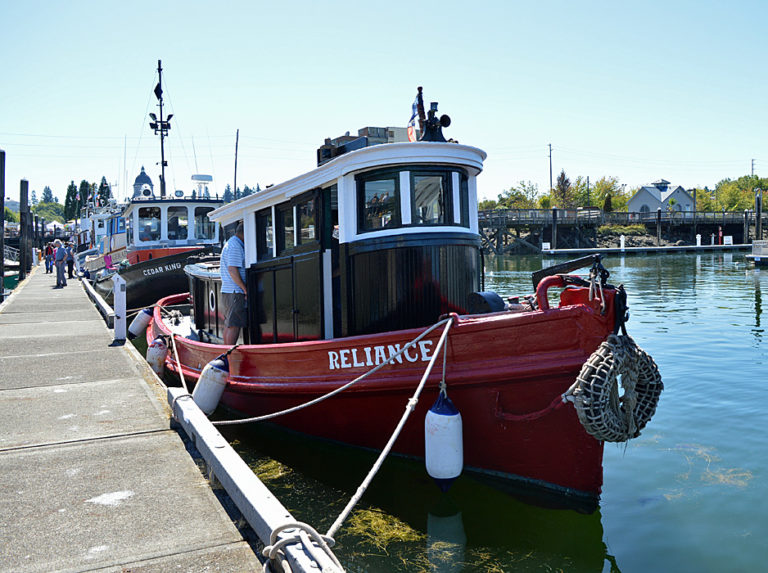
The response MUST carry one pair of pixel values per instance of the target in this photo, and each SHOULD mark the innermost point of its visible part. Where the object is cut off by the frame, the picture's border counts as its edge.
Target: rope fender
(604, 414)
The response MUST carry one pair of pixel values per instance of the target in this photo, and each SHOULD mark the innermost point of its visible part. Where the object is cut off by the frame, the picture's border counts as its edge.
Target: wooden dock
(618, 251)
(93, 478)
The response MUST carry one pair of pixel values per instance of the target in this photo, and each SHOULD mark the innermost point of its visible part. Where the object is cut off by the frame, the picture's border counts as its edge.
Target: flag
(412, 121)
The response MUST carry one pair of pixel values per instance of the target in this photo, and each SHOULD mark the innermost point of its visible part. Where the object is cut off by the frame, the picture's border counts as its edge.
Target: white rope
(305, 535)
(337, 390)
(408, 409)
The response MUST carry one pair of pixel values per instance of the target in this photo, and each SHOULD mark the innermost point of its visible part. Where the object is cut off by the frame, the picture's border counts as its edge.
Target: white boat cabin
(170, 222)
(381, 238)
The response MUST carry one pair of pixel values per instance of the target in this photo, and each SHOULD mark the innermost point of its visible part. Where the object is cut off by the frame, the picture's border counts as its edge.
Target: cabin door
(287, 306)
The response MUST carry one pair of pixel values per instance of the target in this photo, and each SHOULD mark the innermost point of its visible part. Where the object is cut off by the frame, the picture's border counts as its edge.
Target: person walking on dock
(70, 260)
(49, 258)
(60, 258)
(233, 289)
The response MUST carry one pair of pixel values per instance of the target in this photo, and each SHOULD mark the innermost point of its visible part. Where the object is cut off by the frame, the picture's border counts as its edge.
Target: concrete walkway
(91, 476)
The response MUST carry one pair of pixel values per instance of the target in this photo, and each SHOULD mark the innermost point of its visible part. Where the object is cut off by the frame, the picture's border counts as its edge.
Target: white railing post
(118, 302)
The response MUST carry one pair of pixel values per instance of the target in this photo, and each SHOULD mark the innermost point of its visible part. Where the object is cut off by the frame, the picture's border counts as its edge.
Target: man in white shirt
(233, 289)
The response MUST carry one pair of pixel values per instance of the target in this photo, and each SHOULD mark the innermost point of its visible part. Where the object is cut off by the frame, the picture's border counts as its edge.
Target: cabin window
(265, 235)
(464, 199)
(379, 202)
(129, 228)
(307, 225)
(177, 223)
(149, 223)
(428, 196)
(284, 228)
(204, 227)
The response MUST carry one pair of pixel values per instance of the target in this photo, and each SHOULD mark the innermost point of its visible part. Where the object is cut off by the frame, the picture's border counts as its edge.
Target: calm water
(687, 495)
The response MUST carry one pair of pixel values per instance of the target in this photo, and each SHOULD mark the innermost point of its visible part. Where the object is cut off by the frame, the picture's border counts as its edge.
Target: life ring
(604, 414)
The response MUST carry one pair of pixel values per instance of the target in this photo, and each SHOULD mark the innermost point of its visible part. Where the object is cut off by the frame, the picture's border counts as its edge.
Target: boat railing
(10, 253)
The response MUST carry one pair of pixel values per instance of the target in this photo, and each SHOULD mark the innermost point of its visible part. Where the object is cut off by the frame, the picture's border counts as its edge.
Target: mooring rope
(305, 535)
(410, 406)
(339, 389)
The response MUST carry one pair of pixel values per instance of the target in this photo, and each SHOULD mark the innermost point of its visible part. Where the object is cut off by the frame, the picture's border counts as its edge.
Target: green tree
(47, 195)
(523, 196)
(545, 202)
(739, 194)
(704, 199)
(50, 211)
(105, 192)
(562, 194)
(227, 194)
(85, 192)
(70, 202)
(487, 205)
(33, 198)
(10, 216)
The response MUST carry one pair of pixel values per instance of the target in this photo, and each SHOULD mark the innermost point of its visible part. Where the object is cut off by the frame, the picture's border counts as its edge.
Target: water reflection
(405, 523)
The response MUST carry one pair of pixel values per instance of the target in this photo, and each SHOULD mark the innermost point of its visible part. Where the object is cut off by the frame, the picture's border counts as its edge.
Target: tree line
(610, 195)
(49, 208)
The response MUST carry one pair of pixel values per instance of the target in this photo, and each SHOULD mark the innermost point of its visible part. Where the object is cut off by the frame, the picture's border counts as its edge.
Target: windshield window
(204, 227)
(177, 223)
(149, 223)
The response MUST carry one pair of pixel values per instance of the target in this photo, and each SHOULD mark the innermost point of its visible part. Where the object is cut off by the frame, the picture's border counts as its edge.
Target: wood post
(25, 264)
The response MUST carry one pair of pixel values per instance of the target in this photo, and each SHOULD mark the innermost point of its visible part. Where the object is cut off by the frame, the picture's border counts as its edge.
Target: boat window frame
(361, 179)
(264, 248)
(206, 224)
(464, 218)
(280, 228)
(155, 234)
(447, 195)
(306, 199)
(172, 212)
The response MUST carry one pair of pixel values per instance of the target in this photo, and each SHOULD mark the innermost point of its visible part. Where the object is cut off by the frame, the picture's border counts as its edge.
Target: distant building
(366, 137)
(143, 186)
(657, 195)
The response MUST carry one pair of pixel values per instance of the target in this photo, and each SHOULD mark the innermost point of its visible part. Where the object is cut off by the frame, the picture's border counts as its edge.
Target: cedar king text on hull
(161, 269)
(375, 355)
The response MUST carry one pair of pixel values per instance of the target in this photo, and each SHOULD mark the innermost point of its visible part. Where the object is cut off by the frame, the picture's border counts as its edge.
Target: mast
(162, 125)
(237, 140)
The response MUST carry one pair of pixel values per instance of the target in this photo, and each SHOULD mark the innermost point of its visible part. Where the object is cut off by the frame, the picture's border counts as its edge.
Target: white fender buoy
(156, 353)
(210, 386)
(139, 323)
(443, 442)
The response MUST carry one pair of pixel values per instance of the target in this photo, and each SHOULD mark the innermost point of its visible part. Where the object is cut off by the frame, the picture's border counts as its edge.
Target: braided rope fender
(604, 414)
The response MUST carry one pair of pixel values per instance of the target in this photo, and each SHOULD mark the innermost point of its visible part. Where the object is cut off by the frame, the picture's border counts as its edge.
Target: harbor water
(688, 495)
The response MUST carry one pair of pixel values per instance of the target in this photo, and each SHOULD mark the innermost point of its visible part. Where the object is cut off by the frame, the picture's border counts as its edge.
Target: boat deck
(93, 477)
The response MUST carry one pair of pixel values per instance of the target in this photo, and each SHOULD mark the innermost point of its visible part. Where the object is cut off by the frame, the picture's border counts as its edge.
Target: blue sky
(638, 91)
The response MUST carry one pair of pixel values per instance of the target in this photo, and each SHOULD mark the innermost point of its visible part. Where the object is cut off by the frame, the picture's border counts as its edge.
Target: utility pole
(237, 141)
(753, 168)
(550, 167)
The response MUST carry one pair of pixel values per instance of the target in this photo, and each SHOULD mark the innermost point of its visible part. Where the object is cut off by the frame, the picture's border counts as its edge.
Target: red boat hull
(504, 373)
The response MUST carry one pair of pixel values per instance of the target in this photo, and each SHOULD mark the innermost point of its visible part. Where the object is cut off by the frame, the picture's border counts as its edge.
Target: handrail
(498, 217)
(10, 253)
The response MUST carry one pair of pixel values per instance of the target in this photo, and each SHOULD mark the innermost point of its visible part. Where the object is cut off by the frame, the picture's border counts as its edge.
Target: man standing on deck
(233, 289)
(59, 259)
